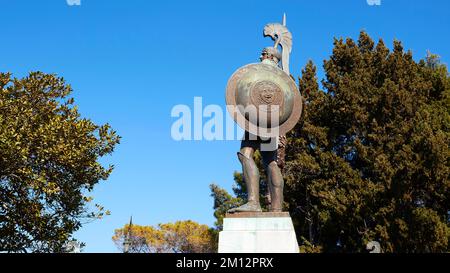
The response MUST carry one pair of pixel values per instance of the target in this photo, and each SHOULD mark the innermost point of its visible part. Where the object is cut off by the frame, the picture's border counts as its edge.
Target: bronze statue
(268, 90)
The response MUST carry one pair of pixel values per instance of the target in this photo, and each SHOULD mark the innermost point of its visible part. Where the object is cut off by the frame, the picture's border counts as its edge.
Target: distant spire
(130, 226)
(127, 239)
(284, 19)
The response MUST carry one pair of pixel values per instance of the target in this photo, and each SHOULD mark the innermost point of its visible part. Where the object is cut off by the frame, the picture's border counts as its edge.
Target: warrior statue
(265, 86)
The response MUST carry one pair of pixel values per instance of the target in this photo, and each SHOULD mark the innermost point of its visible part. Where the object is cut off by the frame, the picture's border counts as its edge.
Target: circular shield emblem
(263, 100)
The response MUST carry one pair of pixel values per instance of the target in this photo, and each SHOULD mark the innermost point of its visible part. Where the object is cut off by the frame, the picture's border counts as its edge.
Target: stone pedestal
(258, 232)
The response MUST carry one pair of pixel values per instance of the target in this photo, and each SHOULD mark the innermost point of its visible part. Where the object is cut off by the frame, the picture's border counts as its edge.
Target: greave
(251, 177)
(276, 185)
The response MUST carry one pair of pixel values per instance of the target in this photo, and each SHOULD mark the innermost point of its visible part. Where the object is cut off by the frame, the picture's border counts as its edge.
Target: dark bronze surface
(257, 214)
(262, 86)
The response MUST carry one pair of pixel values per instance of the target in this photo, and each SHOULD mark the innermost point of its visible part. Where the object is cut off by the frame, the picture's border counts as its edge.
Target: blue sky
(130, 62)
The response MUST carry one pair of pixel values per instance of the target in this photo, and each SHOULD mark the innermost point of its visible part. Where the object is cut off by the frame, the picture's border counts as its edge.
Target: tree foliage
(369, 159)
(178, 237)
(48, 163)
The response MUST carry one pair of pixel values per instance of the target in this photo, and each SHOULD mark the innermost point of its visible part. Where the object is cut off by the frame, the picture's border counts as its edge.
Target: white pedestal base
(258, 233)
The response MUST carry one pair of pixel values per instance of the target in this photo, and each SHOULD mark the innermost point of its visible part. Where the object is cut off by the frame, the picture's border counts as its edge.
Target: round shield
(263, 100)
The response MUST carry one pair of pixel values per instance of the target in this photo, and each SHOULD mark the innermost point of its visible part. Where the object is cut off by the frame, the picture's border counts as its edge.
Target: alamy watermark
(213, 123)
(374, 2)
(73, 2)
(78, 2)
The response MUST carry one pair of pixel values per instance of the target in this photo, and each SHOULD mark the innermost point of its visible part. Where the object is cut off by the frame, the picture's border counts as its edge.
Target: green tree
(223, 201)
(48, 163)
(178, 237)
(369, 159)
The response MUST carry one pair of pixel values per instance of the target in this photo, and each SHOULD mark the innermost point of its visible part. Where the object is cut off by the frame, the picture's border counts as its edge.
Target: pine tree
(369, 159)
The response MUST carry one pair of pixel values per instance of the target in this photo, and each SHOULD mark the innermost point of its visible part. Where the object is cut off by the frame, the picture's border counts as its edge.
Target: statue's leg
(251, 178)
(275, 180)
(276, 186)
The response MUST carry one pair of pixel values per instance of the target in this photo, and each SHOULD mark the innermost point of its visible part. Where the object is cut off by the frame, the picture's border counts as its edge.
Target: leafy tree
(178, 237)
(48, 163)
(369, 159)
